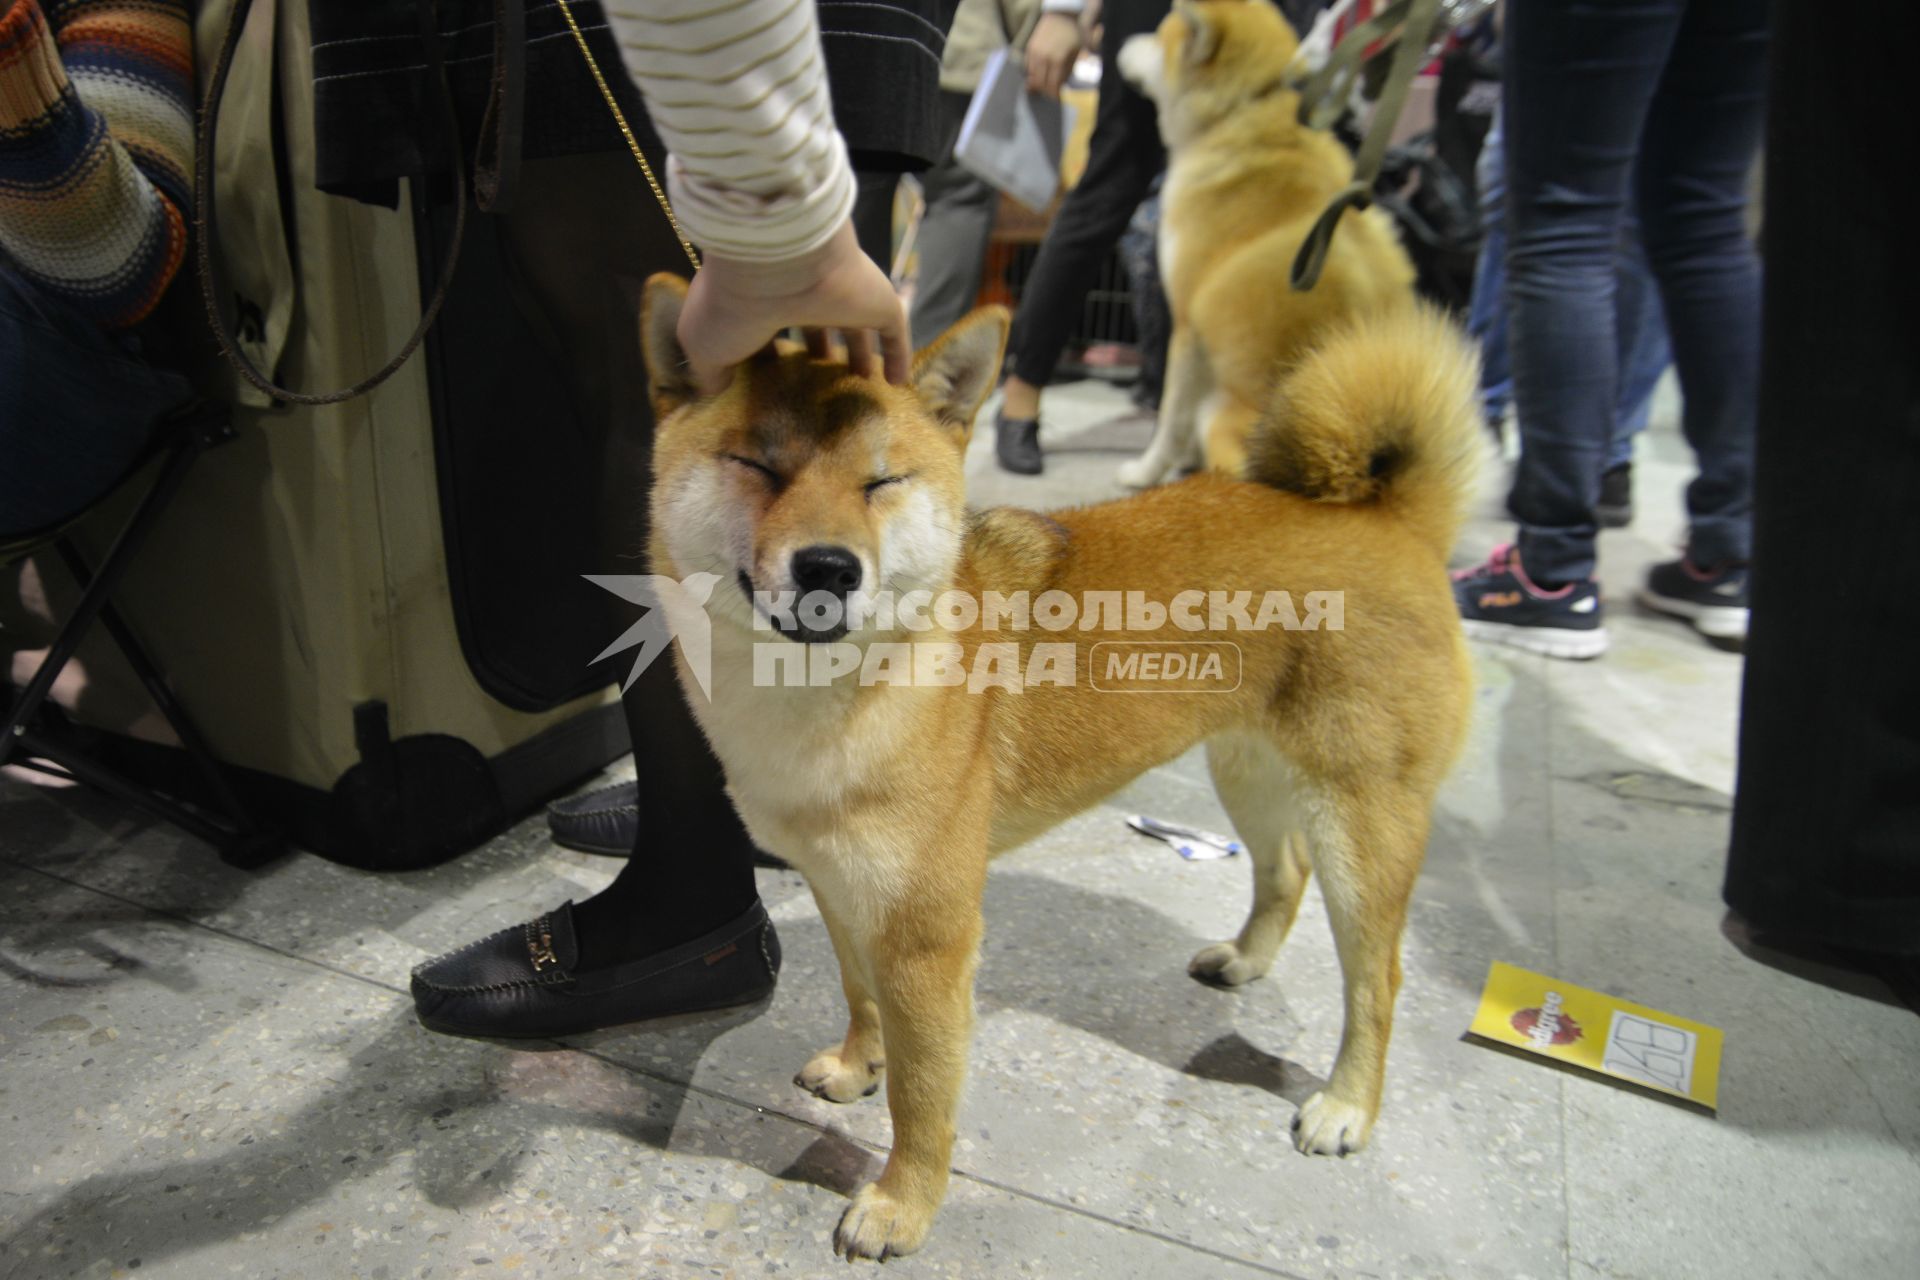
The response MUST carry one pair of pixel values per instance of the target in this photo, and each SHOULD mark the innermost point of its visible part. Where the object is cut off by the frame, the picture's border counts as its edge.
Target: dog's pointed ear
(955, 375)
(668, 376)
(1203, 37)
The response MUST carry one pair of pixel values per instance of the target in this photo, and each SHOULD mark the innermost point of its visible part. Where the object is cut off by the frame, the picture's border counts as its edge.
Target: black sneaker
(1714, 601)
(1498, 602)
(1615, 508)
(1016, 442)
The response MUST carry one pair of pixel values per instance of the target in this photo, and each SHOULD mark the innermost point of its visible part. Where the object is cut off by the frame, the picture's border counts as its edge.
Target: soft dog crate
(391, 679)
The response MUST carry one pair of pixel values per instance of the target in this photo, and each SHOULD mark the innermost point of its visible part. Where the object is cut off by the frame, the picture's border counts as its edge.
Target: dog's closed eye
(765, 472)
(875, 486)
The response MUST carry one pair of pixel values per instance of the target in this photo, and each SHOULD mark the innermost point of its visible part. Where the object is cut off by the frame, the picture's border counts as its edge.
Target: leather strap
(494, 179)
(1326, 92)
(207, 224)
(1312, 257)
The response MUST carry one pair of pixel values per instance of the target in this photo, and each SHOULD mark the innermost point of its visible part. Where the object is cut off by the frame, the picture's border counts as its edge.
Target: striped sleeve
(96, 147)
(737, 89)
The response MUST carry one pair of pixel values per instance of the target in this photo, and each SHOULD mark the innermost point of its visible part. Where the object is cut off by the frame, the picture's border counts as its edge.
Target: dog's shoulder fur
(1012, 549)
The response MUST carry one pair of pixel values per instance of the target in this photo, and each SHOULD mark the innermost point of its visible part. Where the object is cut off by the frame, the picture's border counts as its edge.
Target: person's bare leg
(1016, 431)
(1019, 399)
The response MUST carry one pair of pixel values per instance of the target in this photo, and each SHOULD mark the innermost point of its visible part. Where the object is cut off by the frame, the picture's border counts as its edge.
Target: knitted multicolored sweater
(96, 149)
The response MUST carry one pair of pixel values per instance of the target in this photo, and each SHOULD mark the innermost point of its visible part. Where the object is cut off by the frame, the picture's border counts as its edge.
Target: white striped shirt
(737, 89)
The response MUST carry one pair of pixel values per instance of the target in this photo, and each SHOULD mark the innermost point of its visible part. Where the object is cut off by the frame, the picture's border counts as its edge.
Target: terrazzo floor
(205, 1072)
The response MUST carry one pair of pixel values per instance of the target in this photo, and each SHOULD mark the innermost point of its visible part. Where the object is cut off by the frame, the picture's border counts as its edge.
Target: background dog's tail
(1386, 411)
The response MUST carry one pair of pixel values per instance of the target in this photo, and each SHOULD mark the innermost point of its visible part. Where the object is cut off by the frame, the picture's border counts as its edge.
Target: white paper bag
(1012, 138)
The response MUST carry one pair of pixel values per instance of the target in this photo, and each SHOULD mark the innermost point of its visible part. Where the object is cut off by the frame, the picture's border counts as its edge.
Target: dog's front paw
(1223, 964)
(1327, 1126)
(1140, 473)
(878, 1226)
(836, 1079)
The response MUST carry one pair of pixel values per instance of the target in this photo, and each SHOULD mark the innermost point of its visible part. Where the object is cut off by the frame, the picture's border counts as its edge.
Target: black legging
(692, 869)
(1123, 158)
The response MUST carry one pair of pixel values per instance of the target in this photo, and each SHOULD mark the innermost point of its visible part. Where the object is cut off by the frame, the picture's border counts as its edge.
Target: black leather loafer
(521, 983)
(603, 821)
(607, 821)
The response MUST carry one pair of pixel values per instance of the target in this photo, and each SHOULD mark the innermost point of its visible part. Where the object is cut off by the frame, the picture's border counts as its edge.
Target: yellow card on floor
(1600, 1033)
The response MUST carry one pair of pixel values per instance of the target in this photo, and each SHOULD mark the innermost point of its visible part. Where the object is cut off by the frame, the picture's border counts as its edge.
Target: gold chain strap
(626, 130)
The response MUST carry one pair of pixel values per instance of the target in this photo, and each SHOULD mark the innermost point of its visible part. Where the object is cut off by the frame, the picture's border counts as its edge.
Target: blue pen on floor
(1191, 843)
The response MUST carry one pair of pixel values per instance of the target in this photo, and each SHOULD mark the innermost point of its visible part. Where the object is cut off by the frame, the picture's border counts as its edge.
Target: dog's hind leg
(1175, 444)
(852, 1068)
(1368, 840)
(1257, 787)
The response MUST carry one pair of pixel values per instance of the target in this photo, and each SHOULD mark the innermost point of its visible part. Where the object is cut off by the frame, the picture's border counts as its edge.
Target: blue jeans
(1663, 99)
(77, 407)
(1641, 329)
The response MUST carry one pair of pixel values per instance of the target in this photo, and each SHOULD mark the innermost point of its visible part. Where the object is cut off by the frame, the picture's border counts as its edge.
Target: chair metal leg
(94, 597)
(240, 840)
(176, 715)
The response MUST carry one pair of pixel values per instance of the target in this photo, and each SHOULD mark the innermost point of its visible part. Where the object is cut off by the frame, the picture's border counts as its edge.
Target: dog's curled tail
(1384, 411)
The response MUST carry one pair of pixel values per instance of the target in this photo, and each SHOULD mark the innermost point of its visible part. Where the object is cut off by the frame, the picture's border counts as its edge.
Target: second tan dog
(1245, 182)
(890, 787)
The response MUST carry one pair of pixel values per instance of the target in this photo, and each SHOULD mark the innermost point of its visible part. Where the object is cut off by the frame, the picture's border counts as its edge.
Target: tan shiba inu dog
(1245, 182)
(1326, 746)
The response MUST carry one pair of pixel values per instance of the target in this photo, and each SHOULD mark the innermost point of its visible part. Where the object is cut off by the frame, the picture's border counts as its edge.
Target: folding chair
(36, 736)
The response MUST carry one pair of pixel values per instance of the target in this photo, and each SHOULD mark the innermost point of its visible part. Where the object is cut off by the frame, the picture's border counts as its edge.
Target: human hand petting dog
(1051, 51)
(734, 308)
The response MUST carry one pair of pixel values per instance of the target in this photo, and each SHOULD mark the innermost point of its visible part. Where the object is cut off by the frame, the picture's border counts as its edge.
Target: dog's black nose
(826, 568)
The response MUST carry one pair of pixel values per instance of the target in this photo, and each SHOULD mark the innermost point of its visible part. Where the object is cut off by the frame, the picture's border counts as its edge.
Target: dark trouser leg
(873, 216)
(1644, 350)
(1487, 309)
(1152, 314)
(76, 409)
(1122, 159)
(954, 234)
(584, 237)
(1826, 816)
(1580, 80)
(1701, 137)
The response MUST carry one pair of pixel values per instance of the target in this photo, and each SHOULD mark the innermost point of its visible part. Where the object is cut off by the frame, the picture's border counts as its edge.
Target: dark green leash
(1325, 93)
